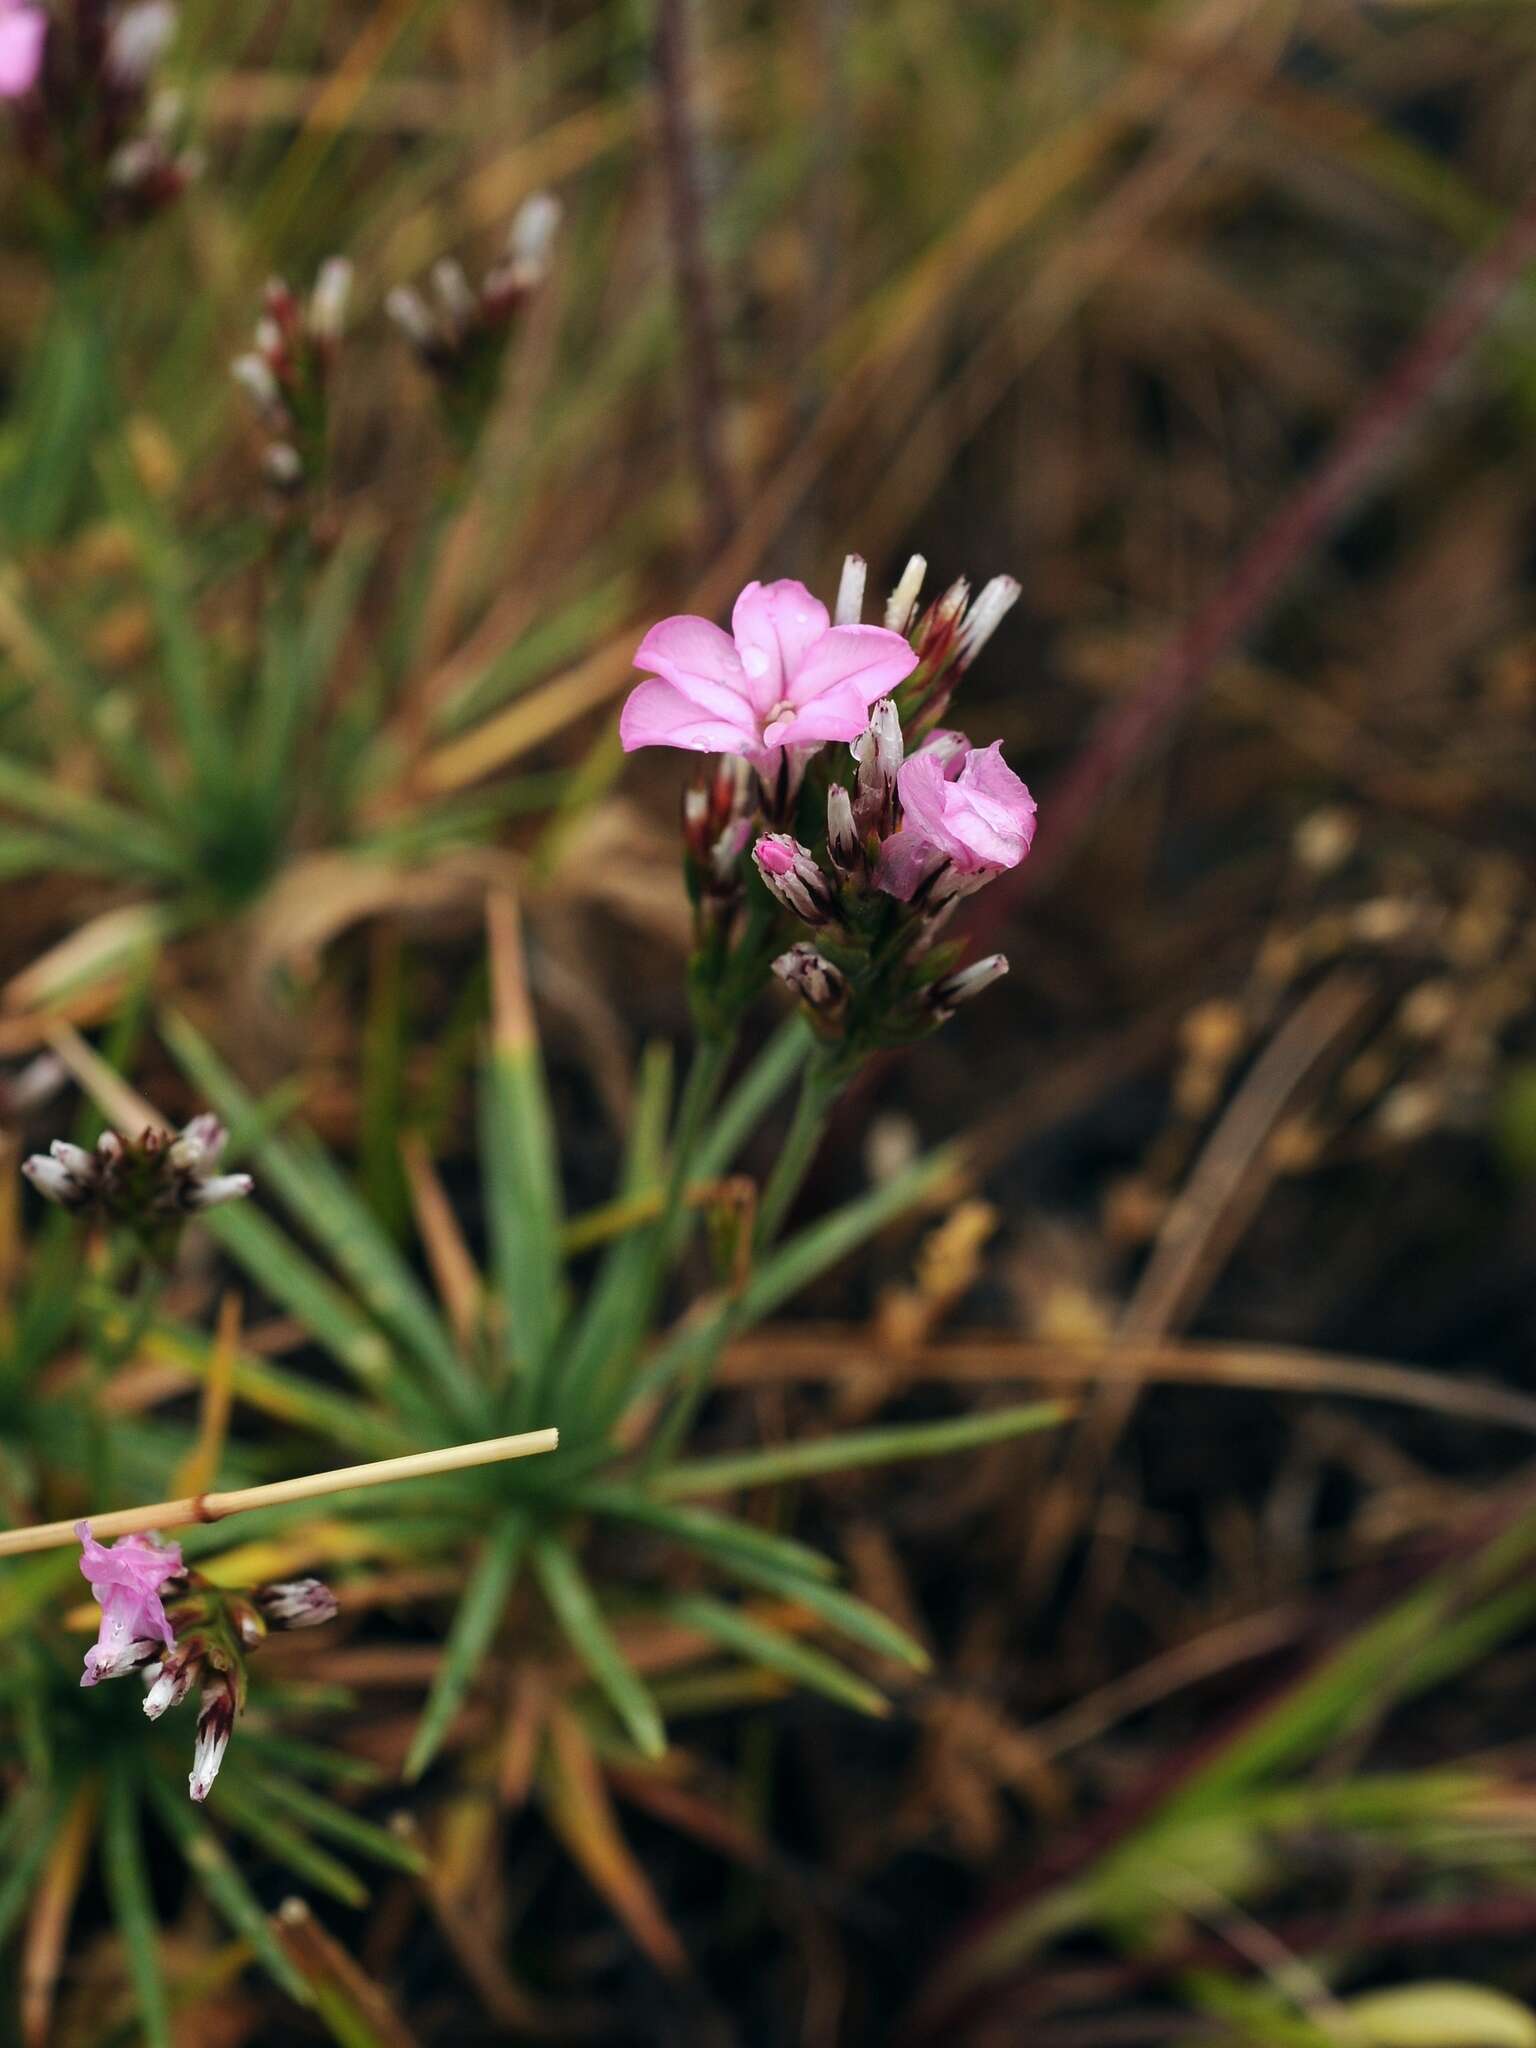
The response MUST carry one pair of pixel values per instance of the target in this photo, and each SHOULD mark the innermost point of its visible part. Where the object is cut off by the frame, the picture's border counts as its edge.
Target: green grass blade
(793, 1660)
(770, 1074)
(133, 1905)
(721, 1537)
(842, 1611)
(26, 1834)
(794, 1265)
(304, 1177)
(852, 1448)
(474, 1624)
(576, 1609)
(323, 1816)
(246, 1809)
(618, 1306)
(524, 1203)
(210, 1864)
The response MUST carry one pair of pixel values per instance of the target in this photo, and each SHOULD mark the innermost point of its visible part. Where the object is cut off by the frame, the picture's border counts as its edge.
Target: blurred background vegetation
(1210, 321)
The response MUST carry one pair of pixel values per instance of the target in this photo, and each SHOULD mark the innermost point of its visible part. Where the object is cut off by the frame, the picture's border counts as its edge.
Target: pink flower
(967, 811)
(126, 1578)
(783, 676)
(22, 32)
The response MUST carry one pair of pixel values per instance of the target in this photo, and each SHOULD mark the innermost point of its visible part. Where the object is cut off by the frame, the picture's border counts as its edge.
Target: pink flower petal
(698, 659)
(838, 713)
(22, 33)
(869, 658)
(657, 714)
(905, 862)
(775, 626)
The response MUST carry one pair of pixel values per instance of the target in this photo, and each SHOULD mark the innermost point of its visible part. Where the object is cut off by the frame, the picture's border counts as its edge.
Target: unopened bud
(138, 40)
(252, 374)
(878, 752)
(55, 1183)
(328, 300)
(282, 466)
(297, 1603)
(460, 306)
(997, 599)
(408, 309)
(950, 746)
(532, 235)
(850, 591)
(213, 1194)
(813, 978)
(964, 987)
(215, 1725)
(842, 833)
(790, 872)
(173, 1679)
(903, 599)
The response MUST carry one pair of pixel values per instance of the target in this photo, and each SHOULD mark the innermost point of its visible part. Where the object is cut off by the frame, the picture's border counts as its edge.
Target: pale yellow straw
(213, 1507)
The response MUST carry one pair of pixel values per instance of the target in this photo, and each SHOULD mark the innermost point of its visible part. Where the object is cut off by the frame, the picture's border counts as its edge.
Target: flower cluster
(460, 335)
(288, 371)
(165, 1622)
(908, 817)
(80, 78)
(149, 1184)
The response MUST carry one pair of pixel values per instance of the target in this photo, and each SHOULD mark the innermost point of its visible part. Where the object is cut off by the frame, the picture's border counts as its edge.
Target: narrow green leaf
(474, 1624)
(523, 1206)
(793, 1266)
(250, 1813)
(26, 1834)
(302, 1174)
(718, 1536)
(120, 841)
(289, 1398)
(778, 1653)
(133, 1905)
(324, 1817)
(770, 1074)
(210, 1864)
(576, 1609)
(845, 1612)
(852, 1448)
(613, 1323)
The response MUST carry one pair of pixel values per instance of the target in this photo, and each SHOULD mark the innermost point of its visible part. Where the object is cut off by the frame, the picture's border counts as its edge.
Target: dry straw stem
(213, 1507)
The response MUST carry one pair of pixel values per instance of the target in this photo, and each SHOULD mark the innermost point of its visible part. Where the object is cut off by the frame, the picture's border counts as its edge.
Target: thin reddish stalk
(703, 401)
(1376, 435)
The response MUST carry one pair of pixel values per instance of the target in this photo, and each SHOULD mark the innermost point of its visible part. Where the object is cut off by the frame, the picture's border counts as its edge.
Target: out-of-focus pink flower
(126, 1578)
(966, 811)
(23, 30)
(783, 676)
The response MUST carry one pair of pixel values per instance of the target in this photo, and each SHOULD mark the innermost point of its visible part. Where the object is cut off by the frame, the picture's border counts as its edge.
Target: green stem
(820, 1086)
(706, 1072)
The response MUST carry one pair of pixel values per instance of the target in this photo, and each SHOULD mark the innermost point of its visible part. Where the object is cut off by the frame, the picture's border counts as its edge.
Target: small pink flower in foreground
(966, 811)
(783, 676)
(23, 30)
(126, 1578)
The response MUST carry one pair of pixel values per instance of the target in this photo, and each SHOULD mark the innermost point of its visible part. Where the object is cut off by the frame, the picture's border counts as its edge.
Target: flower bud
(328, 300)
(215, 1725)
(297, 1603)
(849, 609)
(814, 979)
(879, 754)
(174, 1678)
(213, 1194)
(997, 599)
(947, 995)
(790, 872)
(842, 834)
(903, 599)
